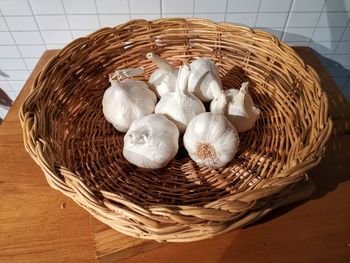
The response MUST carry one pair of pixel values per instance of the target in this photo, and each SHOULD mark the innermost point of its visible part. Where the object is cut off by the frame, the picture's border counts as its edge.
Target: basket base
(112, 246)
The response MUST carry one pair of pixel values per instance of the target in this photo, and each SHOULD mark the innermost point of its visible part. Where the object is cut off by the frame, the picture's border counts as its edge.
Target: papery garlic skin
(180, 106)
(211, 140)
(204, 80)
(127, 100)
(240, 109)
(151, 142)
(163, 79)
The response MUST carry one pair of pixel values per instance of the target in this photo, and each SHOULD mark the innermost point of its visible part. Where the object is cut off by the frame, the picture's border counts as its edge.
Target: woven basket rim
(42, 153)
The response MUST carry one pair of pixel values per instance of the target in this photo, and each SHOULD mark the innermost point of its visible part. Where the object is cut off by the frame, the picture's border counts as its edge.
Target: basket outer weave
(80, 153)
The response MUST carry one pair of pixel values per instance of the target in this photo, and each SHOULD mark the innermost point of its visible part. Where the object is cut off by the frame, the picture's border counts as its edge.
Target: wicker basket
(81, 153)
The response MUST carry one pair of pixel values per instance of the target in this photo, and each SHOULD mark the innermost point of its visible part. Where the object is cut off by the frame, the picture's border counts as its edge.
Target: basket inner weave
(85, 143)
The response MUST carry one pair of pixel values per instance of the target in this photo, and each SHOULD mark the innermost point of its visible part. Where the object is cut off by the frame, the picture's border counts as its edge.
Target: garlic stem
(222, 103)
(182, 80)
(117, 76)
(115, 82)
(244, 87)
(161, 63)
(129, 72)
(240, 97)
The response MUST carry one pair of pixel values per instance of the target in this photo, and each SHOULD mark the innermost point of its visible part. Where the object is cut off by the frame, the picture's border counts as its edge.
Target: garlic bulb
(180, 106)
(151, 142)
(211, 140)
(204, 80)
(164, 78)
(240, 109)
(126, 100)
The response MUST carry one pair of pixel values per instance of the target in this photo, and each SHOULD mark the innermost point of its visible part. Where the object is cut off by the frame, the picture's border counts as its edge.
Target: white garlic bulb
(151, 142)
(204, 80)
(211, 140)
(126, 100)
(180, 106)
(240, 109)
(164, 78)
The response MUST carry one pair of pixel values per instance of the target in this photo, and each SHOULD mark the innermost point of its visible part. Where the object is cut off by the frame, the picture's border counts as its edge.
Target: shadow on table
(333, 170)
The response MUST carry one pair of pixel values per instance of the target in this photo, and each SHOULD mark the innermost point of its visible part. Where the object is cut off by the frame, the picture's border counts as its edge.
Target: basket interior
(84, 142)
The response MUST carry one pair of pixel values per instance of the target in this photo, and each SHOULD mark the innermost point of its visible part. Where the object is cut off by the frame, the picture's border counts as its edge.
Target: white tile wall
(29, 27)
(83, 21)
(346, 35)
(182, 15)
(338, 5)
(145, 16)
(49, 22)
(112, 20)
(31, 62)
(21, 23)
(31, 51)
(3, 26)
(47, 7)
(298, 34)
(271, 19)
(178, 6)
(112, 6)
(144, 7)
(328, 19)
(238, 6)
(327, 34)
(9, 52)
(343, 48)
(308, 5)
(275, 5)
(303, 19)
(27, 37)
(245, 19)
(12, 64)
(79, 6)
(57, 37)
(81, 33)
(218, 17)
(15, 7)
(6, 38)
(207, 6)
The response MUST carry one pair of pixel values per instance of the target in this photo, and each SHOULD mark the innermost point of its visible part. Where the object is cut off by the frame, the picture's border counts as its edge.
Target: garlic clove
(163, 79)
(126, 100)
(180, 106)
(204, 80)
(151, 142)
(240, 109)
(211, 140)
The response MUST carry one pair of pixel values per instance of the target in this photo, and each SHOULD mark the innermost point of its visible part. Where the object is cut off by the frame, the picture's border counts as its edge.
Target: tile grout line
(65, 15)
(341, 36)
(318, 20)
(193, 7)
(37, 23)
(287, 19)
(257, 14)
(241, 12)
(161, 8)
(97, 14)
(129, 9)
(20, 53)
(226, 11)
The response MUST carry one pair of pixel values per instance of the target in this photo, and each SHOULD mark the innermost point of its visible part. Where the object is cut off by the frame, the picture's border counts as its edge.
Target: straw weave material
(81, 153)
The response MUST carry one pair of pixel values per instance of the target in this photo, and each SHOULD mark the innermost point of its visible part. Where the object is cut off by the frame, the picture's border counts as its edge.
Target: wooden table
(39, 224)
